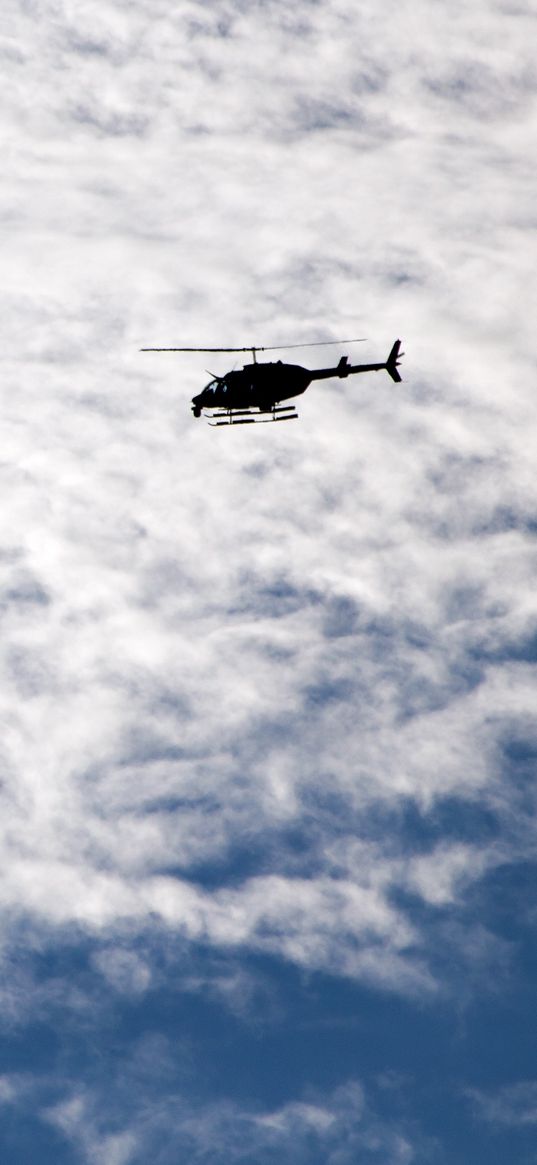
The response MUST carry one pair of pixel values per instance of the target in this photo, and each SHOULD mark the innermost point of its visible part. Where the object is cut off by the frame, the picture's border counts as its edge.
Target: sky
(268, 747)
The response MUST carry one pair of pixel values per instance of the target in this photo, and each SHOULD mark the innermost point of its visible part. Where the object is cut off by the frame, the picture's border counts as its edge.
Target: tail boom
(389, 366)
(344, 369)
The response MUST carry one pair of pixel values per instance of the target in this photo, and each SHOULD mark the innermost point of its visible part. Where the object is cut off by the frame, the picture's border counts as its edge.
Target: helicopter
(253, 394)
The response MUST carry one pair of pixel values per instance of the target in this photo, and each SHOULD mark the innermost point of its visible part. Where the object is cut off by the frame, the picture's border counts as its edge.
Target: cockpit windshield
(211, 386)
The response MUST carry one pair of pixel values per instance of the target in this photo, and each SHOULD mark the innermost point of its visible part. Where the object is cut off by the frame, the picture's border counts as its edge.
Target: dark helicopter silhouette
(242, 397)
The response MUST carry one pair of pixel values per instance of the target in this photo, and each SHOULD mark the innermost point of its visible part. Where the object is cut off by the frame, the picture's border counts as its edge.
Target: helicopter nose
(197, 404)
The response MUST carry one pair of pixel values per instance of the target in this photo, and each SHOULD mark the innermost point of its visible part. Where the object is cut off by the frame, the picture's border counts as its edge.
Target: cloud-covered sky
(268, 697)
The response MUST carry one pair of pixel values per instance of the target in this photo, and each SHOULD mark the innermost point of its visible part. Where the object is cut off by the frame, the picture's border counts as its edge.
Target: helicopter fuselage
(255, 386)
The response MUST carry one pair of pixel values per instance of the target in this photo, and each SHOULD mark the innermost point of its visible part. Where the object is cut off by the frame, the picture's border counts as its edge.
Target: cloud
(334, 1128)
(8, 1090)
(512, 1105)
(123, 970)
(269, 696)
(70, 1117)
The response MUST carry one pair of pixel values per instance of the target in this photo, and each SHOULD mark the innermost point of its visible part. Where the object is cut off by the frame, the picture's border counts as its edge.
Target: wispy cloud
(513, 1105)
(338, 1126)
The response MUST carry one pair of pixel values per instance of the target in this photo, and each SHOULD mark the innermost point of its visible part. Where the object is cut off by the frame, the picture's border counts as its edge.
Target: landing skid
(252, 416)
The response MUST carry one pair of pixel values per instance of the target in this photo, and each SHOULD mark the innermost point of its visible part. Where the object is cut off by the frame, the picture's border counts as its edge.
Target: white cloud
(513, 1105)
(258, 689)
(8, 1089)
(73, 1118)
(438, 876)
(341, 1125)
(319, 1119)
(205, 640)
(124, 970)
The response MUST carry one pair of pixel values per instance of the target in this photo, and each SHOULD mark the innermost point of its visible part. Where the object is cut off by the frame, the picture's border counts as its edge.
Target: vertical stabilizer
(393, 361)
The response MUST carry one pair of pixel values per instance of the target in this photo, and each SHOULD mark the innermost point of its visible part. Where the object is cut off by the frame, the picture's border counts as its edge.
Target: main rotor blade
(312, 344)
(265, 348)
(200, 349)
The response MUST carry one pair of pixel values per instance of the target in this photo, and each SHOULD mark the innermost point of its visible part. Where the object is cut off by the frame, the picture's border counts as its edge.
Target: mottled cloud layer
(268, 693)
(205, 637)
